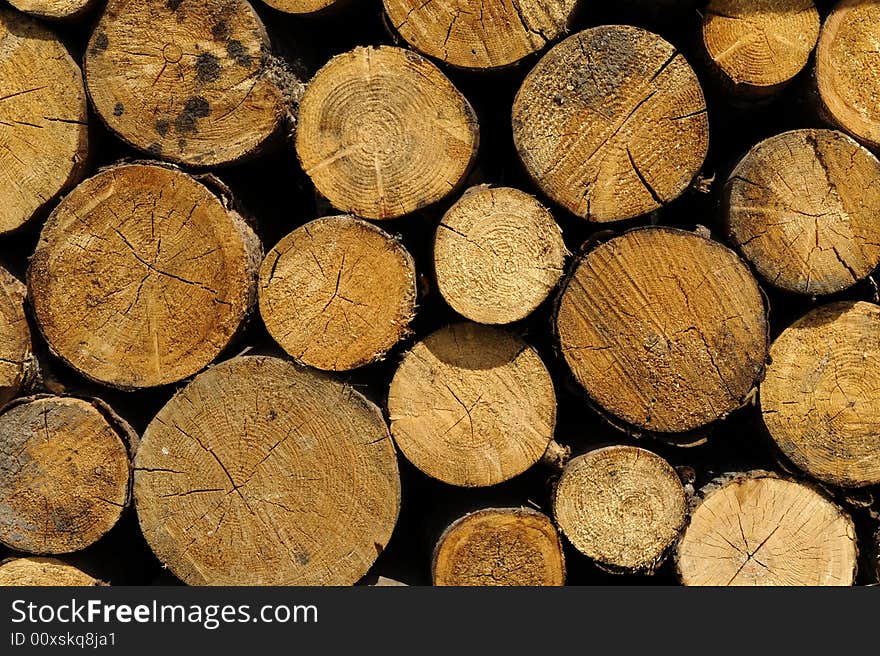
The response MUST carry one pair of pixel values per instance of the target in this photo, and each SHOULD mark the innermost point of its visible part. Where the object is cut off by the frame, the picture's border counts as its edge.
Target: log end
(818, 398)
(500, 547)
(338, 293)
(472, 405)
(757, 529)
(67, 482)
(498, 254)
(621, 506)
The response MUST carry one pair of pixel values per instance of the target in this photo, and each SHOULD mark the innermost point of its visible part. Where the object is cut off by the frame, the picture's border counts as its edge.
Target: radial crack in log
(261, 472)
(611, 123)
(757, 529)
(142, 276)
(664, 329)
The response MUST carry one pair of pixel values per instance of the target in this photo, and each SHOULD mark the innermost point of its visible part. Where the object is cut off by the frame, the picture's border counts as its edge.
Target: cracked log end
(803, 206)
(498, 253)
(611, 123)
(338, 293)
(142, 276)
(184, 81)
(472, 405)
(621, 506)
(846, 73)
(43, 116)
(756, 529)
(263, 472)
(65, 475)
(54, 9)
(819, 399)
(664, 329)
(38, 571)
(757, 46)
(500, 546)
(17, 361)
(492, 35)
(301, 6)
(382, 132)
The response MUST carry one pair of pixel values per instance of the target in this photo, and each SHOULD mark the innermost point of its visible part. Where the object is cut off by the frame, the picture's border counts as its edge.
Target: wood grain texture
(184, 81)
(262, 472)
(802, 207)
(472, 405)
(54, 9)
(821, 397)
(142, 276)
(611, 123)
(301, 6)
(757, 46)
(757, 529)
(847, 74)
(664, 329)
(480, 35)
(382, 132)
(65, 475)
(498, 254)
(499, 547)
(38, 571)
(18, 365)
(43, 119)
(621, 506)
(337, 293)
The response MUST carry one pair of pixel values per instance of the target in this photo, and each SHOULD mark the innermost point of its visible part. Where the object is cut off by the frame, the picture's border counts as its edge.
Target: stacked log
(611, 123)
(36, 571)
(500, 546)
(65, 477)
(757, 529)
(43, 118)
(316, 292)
(756, 48)
(307, 493)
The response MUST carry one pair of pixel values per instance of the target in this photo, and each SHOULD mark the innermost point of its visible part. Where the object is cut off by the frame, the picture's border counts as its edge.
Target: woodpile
(454, 293)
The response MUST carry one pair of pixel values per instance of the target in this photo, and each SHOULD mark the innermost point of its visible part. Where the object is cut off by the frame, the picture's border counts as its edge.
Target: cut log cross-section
(382, 132)
(303, 6)
(500, 546)
(337, 293)
(43, 132)
(664, 329)
(64, 478)
(757, 46)
(142, 276)
(261, 472)
(498, 254)
(847, 74)
(802, 207)
(184, 81)
(821, 396)
(611, 123)
(489, 34)
(18, 367)
(37, 571)
(472, 405)
(756, 529)
(54, 9)
(622, 506)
